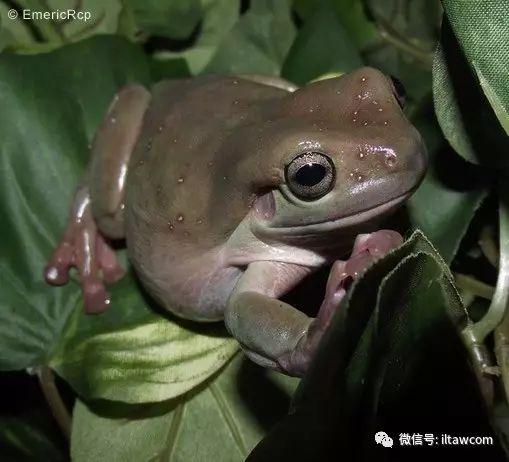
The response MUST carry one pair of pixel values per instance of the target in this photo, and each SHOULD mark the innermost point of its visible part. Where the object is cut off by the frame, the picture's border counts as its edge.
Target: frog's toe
(95, 297)
(108, 262)
(85, 249)
(56, 271)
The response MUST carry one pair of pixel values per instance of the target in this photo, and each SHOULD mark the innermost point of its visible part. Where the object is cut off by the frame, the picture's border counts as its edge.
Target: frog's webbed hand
(97, 208)
(275, 334)
(83, 247)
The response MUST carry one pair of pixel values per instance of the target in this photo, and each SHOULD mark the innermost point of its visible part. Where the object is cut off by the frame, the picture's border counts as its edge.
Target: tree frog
(230, 190)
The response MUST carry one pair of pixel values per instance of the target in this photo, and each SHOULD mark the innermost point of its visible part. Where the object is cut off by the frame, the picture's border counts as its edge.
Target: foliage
(151, 387)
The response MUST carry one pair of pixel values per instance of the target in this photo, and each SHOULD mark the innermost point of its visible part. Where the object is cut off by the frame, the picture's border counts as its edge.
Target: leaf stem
(54, 400)
(498, 307)
(502, 330)
(474, 286)
(488, 246)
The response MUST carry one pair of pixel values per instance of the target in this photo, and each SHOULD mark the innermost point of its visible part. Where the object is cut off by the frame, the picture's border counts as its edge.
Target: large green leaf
(221, 420)
(51, 105)
(136, 355)
(258, 43)
(381, 367)
(321, 47)
(481, 26)
(464, 112)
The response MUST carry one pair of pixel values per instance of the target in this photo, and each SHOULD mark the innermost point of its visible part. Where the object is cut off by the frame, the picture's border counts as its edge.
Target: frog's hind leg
(97, 210)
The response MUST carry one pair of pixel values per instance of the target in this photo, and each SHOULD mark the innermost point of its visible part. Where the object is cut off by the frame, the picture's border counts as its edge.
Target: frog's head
(341, 155)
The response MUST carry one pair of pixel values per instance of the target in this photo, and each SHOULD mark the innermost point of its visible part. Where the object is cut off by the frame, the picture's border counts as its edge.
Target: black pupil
(310, 174)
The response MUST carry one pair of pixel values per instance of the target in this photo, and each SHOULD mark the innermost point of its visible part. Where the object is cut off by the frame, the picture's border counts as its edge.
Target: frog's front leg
(97, 209)
(275, 334)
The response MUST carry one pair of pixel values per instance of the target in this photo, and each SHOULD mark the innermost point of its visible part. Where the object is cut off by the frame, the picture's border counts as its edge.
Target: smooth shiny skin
(230, 190)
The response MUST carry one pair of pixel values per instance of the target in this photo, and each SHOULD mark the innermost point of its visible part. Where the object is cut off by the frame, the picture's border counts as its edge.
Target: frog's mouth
(266, 210)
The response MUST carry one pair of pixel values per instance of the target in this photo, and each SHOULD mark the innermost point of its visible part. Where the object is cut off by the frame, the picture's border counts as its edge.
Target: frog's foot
(85, 249)
(367, 248)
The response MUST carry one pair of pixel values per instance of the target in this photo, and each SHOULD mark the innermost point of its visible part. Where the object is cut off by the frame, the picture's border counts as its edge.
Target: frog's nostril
(390, 159)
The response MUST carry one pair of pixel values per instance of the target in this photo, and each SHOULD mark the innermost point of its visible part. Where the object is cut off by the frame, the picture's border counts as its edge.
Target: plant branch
(488, 246)
(497, 309)
(54, 400)
(474, 286)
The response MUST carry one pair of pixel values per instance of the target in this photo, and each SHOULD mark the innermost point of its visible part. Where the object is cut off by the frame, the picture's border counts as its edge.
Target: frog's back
(182, 197)
(181, 149)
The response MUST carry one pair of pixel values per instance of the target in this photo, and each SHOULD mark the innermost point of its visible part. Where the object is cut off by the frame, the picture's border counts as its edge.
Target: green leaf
(221, 420)
(416, 22)
(169, 18)
(493, 97)
(34, 34)
(465, 115)
(321, 47)
(133, 355)
(380, 366)
(258, 43)
(219, 16)
(52, 106)
(480, 27)
(351, 14)
(459, 196)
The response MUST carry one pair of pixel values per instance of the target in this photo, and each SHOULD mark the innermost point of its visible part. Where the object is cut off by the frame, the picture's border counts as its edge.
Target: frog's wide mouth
(341, 222)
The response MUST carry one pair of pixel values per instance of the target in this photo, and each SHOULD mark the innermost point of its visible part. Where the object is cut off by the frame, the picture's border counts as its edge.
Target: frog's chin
(350, 224)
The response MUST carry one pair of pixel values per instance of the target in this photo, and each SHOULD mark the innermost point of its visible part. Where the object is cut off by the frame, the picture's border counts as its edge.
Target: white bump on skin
(309, 145)
(52, 273)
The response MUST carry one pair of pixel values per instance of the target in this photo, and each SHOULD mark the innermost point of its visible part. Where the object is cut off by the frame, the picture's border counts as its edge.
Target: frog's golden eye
(399, 91)
(310, 175)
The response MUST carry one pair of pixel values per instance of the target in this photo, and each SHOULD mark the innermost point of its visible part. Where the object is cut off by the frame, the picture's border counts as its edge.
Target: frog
(229, 191)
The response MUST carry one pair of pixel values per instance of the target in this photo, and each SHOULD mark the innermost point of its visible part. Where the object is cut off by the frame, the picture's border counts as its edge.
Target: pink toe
(95, 297)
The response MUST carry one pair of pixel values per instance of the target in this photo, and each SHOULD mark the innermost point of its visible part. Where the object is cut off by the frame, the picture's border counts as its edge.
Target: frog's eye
(399, 91)
(310, 175)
